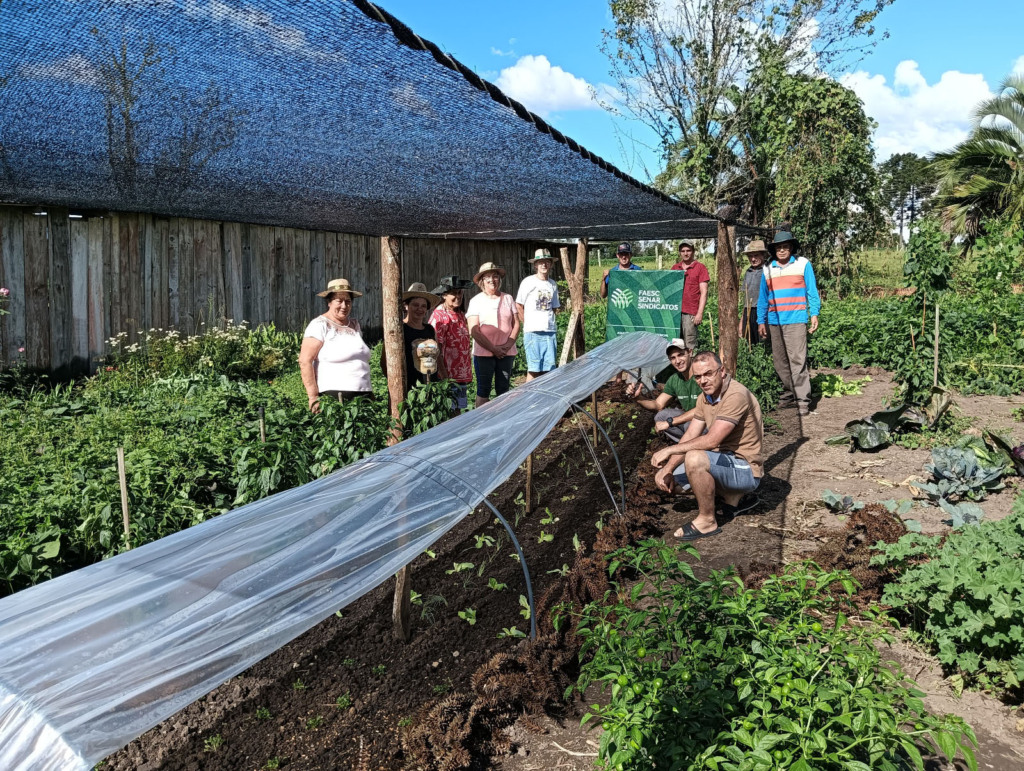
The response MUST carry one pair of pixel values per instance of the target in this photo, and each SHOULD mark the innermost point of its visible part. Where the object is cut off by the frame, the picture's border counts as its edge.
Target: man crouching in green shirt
(680, 387)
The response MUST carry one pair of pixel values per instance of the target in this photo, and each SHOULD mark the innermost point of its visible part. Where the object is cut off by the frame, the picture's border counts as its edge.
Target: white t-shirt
(343, 363)
(539, 298)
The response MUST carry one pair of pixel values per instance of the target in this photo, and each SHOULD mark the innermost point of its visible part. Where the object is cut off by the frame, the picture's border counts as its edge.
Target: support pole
(728, 297)
(581, 272)
(263, 425)
(574, 335)
(593, 411)
(122, 478)
(391, 286)
(935, 370)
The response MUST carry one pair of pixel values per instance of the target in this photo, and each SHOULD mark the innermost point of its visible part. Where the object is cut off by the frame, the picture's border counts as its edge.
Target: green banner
(644, 301)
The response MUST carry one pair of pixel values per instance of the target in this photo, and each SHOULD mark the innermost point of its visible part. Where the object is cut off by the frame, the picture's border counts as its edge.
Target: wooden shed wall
(75, 283)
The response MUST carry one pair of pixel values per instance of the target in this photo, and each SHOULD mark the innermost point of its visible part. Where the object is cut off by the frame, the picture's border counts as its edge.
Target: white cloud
(1018, 66)
(915, 116)
(499, 52)
(546, 88)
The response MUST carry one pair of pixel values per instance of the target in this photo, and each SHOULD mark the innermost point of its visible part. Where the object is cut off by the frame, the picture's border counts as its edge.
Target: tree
(907, 182)
(983, 176)
(683, 69)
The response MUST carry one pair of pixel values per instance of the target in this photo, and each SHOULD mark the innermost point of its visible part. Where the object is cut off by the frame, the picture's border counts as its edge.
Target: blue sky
(920, 84)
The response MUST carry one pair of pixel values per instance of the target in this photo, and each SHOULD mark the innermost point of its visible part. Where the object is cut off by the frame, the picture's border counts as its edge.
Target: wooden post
(657, 251)
(728, 297)
(123, 479)
(394, 344)
(529, 483)
(580, 274)
(935, 371)
(263, 425)
(574, 333)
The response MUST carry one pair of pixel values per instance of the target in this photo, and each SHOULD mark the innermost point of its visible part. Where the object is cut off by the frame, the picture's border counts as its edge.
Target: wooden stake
(394, 343)
(263, 425)
(529, 483)
(913, 343)
(657, 251)
(728, 297)
(123, 479)
(935, 373)
(593, 411)
(924, 310)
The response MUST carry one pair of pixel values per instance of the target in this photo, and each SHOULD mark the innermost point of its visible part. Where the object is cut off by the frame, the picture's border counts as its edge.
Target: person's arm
(514, 334)
(660, 402)
(702, 302)
(694, 440)
(762, 307)
(307, 355)
(686, 417)
(604, 282)
(813, 298)
(520, 310)
(478, 336)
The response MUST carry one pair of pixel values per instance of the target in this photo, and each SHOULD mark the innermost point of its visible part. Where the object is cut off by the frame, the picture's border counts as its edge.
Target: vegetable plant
(958, 475)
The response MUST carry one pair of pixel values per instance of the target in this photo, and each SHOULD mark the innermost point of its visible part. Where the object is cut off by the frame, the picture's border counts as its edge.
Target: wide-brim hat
(419, 289)
(782, 237)
(754, 247)
(488, 267)
(451, 284)
(540, 254)
(339, 285)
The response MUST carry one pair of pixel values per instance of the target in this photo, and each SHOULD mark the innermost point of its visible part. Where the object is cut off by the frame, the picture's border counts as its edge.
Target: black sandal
(691, 533)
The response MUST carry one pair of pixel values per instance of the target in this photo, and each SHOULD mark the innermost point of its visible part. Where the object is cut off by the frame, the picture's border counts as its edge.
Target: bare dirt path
(799, 467)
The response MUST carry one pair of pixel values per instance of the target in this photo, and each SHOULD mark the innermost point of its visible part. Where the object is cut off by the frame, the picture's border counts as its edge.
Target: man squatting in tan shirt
(726, 460)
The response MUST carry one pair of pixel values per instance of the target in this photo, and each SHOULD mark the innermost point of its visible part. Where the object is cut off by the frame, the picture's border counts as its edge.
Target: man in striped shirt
(788, 307)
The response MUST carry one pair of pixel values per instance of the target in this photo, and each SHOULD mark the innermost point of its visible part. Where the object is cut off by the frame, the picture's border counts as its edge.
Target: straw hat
(451, 284)
(339, 285)
(419, 289)
(487, 267)
(755, 246)
(540, 254)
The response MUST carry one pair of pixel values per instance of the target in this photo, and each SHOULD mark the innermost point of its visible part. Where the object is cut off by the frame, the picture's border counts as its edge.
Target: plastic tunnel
(93, 659)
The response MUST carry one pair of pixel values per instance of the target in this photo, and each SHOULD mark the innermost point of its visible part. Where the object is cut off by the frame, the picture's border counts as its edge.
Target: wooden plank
(277, 291)
(174, 274)
(96, 304)
(161, 263)
(113, 276)
(187, 306)
(231, 262)
(59, 294)
(204, 310)
(303, 279)
(79, 295)
(12, 276)
(248, 306)
(37, 279)
(217, 269)
(317, 273)
(131, 276)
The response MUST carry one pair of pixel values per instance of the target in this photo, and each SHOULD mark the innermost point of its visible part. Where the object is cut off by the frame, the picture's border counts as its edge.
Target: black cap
(624, 248)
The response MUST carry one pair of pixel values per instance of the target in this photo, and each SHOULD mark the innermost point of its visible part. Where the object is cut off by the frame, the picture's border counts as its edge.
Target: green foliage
(965, 595)
(840, 504)
(875, 431)
(754, 368)
(832, 386)
(712, 675)
(929, 262)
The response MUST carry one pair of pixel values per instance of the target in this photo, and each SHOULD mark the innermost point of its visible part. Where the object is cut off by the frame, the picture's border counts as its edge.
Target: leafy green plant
(314, 722)
(262, 713)
(495, 584)
(958, 475)
(840, 504)
(468, 615)
(511, 631)
(344, 701)
(831, 386)
(274, 762)
(964, 594)
(876, 430)
(524, 607)
(379, 670)
(213, 743)
(298, 685)
(712, 675)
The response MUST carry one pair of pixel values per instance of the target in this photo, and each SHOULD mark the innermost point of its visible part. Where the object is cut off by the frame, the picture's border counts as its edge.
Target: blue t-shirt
(632, 266)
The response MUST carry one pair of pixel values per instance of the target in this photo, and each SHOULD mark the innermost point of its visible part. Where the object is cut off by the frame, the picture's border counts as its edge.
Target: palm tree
(983, 176)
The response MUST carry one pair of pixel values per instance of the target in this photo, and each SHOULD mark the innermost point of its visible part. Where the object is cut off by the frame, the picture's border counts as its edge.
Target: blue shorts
(541, 351)
(730, 473)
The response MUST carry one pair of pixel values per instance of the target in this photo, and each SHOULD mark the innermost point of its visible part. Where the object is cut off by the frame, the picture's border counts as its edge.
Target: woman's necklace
(339, 325)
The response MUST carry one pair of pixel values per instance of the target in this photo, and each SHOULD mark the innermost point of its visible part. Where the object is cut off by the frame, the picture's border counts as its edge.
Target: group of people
(712, 422)
(444, 338)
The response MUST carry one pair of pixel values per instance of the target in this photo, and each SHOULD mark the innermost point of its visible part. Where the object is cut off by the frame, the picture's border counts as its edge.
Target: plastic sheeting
(93, 659)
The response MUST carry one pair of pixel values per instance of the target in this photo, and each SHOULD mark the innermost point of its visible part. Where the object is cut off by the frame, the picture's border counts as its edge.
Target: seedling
(314, 722)
(405, 721)
(348, 662)
(484, 540)
(430, 553)
(844, 505)
(510, 631)
(298, 685)
(525, 607)
(576, 544)
(213, 743)
(496, 585)
(459, 567)
(431, 606)
(274, 762)
(344, 701)
(562, 571)
(379, 670)
(415, 597)
(262, 713)
(545, 537)
(548, 518)
(442, 688)
(468, 615)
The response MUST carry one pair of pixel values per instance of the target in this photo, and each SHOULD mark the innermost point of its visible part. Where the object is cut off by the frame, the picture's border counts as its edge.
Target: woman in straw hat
(494, 327)
(334, 360)
(418, 303)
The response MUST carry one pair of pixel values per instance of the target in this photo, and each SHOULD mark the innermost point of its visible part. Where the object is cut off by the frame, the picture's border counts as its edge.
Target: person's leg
(547, 352)
(795, 336)
(484, 368)
(503, 374)
(698, 474)
(531, 348)
(675, 433)
(688, 331)
(781, 361)
(733, 478)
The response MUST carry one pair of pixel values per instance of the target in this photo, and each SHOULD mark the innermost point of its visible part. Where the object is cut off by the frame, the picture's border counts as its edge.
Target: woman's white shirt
(343, 362)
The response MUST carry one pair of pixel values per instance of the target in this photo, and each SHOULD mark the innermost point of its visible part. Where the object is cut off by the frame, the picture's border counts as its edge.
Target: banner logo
(622, 298)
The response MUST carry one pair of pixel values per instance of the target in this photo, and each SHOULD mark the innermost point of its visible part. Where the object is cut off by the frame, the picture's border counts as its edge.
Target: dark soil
(343, 694)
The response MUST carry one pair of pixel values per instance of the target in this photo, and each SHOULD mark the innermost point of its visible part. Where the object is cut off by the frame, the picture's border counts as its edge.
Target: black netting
(323, 115)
